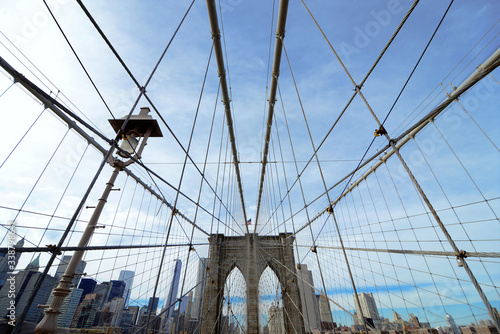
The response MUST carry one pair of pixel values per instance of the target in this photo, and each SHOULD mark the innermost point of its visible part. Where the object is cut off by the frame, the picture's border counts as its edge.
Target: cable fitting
(314, 249)
(54, 249)
(329, 209)
(380, 131)
(460, 256)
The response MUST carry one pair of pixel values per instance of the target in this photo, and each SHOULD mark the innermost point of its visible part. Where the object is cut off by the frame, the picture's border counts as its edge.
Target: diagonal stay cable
(389, 42)
(79, 60)
(411, 129)
(151, 75)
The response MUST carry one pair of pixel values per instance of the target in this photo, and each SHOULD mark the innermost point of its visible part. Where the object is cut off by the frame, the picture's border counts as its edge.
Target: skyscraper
(116, 306)
(87, 285)
(68, 307)
(117, 288)
(189, 308)
(368, 309)
(325, 313)
(199, 291)
(63, 264)
(308, 299)
(453, 325)
(4, 263)
(172, 292)
(127, 276)
(25, 281)
(103, 290)
(86, 311)
(153, 305)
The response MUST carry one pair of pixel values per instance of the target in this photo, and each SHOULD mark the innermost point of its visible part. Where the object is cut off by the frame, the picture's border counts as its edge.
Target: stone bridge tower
(252, 254)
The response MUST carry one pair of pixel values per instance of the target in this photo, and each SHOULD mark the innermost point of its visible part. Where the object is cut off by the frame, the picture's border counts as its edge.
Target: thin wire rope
(23, 136)
(356, 91)
(42, 74)
(142, 89)
(7, 89)
(454, 212)
(79, 60)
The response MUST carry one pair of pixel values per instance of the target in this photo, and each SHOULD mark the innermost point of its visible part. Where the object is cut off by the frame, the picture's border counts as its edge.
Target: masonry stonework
(252, 254)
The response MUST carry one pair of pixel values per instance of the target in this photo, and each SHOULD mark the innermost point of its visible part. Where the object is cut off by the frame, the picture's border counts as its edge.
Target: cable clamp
(329, 209)
(174, 212)
(460, 256)
(380, 131)
(314, 249)
(54, 249)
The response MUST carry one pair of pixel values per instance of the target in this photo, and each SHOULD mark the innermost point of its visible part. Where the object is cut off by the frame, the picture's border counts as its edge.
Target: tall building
(199, 291)
(86, 312)
(153, 305)
(25, 281)
(143, 310)
(127, 276)
(325, 313)
(4, 262)
(63, 264)
(453, 325)
(129, 318)
(189, 307)
(116, 307)
(116, 289)
(308, 299)
(172, 292)
(87, 285)
(103, 290)
(68, 307)
(368, 309)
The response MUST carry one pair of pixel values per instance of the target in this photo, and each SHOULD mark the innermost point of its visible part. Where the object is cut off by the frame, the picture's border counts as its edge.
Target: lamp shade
(128, 144)
(137, 125)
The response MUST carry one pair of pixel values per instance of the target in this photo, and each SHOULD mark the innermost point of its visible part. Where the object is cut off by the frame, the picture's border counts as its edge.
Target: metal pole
(48, 325)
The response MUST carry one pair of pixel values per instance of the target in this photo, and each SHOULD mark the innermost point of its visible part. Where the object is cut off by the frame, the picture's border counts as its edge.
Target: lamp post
(138, 126)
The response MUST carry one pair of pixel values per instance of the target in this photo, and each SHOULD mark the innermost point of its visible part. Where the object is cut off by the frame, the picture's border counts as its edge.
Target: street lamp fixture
(140, 126)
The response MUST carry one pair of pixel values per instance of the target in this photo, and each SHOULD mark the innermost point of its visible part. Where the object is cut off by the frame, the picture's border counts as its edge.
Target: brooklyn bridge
(236, 166)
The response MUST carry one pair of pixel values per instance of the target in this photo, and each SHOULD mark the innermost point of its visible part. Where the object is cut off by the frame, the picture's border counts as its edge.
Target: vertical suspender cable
(278, 47)
(214, 26)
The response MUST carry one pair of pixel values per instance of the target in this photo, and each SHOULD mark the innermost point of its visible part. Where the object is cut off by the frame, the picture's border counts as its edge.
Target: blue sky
(357, 30)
